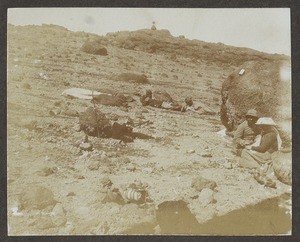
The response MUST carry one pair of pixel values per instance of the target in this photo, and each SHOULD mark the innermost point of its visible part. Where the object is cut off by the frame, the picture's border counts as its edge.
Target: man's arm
(239, 134)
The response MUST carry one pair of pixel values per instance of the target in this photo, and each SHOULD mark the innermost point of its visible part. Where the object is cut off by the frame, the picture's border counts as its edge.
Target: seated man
(256, 156)
(246, 132)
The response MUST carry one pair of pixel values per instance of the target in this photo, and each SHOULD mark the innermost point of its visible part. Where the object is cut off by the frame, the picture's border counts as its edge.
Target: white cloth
(81, 93)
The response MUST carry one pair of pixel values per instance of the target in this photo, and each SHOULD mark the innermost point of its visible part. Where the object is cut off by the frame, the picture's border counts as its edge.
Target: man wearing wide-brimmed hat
(246, 132)
(255, 156)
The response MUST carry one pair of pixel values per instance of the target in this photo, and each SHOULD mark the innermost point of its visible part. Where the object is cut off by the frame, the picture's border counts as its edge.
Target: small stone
(145, 111)
(67, 229)
(94, 165)
(126, 160)
(30, 125)
(282, 166)
(26, 146)
(190, 151)
(114, 117)
(86, 146)
(47, 171)
(44, 222)
(206, 197)
(206, 155)
(124, 109)
(71, 194)
(58, 215)
(199, 183)
(66, 83)
(57, 103)
(160, 168)
(77, 176)
(131, 167)
(56, 111)
(106, 170)
(106, 182)
(70, 112)
(77, 128)
(148, 170)
(157, 230)
(227, 165)
(104, 228)
(26, 86)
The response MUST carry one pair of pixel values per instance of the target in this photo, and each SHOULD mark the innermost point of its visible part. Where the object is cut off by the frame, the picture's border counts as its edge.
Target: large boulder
(261, 85)
(94, 47)
(93, 122)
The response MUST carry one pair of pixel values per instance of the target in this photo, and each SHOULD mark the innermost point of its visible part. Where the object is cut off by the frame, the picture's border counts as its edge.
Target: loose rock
(47, 171)
(200, 183)
(36, 197)
(86, 146)
(94, 165)
(131, 167)
(58, 215)
(206, 197)
(227, 165)
(43, 222)
(113, 195)
(106, 182)
(94, 47)
(190, 151)
(206, 154)
(282, 166)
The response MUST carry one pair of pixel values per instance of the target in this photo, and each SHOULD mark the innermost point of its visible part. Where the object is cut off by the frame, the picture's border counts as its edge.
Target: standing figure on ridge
(153, 26)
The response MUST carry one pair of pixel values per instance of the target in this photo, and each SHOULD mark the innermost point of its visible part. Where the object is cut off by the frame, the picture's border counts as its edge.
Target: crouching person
(260, 156)
(246, 133)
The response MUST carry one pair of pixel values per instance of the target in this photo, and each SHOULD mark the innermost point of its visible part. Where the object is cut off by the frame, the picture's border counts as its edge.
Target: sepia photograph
(149, 121)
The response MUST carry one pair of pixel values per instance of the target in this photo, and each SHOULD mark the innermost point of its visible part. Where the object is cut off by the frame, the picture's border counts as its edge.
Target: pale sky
(263, 29)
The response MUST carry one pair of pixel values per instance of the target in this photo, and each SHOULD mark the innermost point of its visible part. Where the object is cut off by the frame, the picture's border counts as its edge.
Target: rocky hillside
(61, 181)
(162, 42)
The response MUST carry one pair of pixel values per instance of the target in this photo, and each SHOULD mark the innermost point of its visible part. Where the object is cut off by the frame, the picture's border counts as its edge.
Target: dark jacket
(244, 134)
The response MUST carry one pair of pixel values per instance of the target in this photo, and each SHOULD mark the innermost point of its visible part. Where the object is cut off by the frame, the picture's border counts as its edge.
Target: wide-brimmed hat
(252, 113)
(265, 121)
